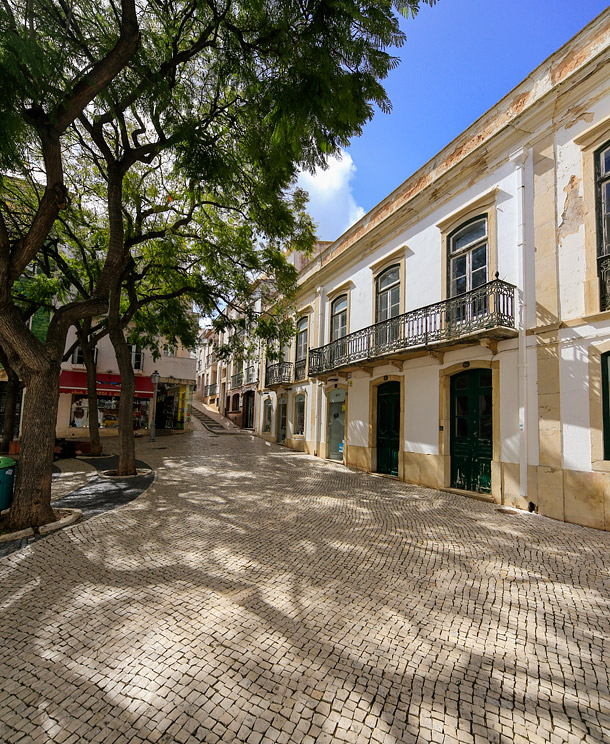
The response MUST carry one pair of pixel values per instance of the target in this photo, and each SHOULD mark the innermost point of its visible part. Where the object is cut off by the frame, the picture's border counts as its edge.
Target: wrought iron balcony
(278, 374)
(236, 380)
(489, 307)
(251, 375)
(604, 281)
(300, 369)
(209, 390)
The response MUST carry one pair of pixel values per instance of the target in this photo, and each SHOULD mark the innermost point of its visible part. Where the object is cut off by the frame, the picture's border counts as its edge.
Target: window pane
(302, 325)
(339, 305)
(479, 257)
(338, 326)
(389, 277)
(299, 424)
(485, 379)
(484, 404)
(302, 345)
(461, 405)
(485, 428)
(468, 235)
(479, 277)
(462, 428)
(458, 286)
(458, 267)
(605, 161)
(394, 302)
(383, 307)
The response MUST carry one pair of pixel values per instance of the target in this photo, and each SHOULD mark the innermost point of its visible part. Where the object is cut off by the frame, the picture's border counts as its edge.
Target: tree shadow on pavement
(253, 590)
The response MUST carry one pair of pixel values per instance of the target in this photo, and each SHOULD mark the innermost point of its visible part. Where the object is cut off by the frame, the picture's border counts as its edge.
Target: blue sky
(460, 58)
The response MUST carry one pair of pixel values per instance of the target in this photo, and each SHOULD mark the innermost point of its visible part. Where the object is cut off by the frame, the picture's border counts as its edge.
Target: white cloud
(331, 202)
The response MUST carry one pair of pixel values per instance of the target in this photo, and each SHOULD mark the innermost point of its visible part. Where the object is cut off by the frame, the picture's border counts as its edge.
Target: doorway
(248, 405)
(471, 430)
(336, 424)
(388, 427)
(281, 420)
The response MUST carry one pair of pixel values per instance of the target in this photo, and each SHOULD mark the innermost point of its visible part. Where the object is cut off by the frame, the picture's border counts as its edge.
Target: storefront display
(107, 412)
(174, 406)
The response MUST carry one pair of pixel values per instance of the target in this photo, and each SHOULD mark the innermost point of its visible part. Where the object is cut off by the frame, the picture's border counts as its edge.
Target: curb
(70, 516)
(112, 474)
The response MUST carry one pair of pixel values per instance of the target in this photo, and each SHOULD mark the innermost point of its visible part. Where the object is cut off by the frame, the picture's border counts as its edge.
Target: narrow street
(254, 594)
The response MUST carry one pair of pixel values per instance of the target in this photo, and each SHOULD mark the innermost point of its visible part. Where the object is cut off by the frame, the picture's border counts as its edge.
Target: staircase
(211, 424)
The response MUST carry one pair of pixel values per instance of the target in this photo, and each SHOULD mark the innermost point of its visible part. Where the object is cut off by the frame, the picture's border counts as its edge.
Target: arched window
(468, 257)
(301, 339)
(338, 318)
(602, 177)
(387, 290)
(299, 414)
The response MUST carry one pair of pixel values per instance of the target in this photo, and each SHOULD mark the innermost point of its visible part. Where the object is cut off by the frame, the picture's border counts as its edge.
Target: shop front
(73, 414)
(174, 401)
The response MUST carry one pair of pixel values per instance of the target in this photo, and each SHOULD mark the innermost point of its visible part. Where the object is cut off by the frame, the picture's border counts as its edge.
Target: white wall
(574, 385)
(358, 412)
(422, 408)
(509, 405)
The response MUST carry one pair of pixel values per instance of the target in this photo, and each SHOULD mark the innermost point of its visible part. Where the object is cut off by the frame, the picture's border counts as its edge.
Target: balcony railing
(489, 306)
(236, 380)
(604, 278)
(278, 373)
(251, 375)
(300, 369)
(209, 390)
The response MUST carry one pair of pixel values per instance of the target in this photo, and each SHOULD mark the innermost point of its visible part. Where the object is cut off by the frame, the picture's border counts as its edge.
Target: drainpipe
(318, 384)
(519, 160)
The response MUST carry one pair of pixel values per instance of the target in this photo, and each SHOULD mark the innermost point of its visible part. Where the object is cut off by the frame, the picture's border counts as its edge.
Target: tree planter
(113, 473)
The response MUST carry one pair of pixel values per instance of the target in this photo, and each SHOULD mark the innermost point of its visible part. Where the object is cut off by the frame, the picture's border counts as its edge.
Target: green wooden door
(471, 430)
(388, 427)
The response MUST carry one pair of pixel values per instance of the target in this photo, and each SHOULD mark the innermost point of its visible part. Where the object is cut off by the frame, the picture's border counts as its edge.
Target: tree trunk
(127, 447)
(94, 424)
(32, 498)
(10, 404)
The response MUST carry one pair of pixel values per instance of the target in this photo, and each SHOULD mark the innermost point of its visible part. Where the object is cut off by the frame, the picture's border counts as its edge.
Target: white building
(176, 367)
(458, 335)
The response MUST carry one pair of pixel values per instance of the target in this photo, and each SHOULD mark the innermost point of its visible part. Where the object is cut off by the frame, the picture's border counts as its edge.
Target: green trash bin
(7, 478)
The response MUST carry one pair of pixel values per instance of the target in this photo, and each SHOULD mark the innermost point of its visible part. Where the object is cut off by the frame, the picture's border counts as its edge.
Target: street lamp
(154, 378)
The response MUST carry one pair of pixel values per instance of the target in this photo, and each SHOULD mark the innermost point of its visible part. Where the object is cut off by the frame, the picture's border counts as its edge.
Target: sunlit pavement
(258, 595)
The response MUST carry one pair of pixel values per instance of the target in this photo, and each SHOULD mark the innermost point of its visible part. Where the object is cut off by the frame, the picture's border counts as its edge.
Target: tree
(239, 95)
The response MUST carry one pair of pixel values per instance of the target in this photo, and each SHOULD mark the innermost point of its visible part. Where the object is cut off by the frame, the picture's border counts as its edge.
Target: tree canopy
(224, 100)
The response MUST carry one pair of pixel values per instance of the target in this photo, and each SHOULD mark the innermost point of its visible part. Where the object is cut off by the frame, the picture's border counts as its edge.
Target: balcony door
(388, 427)
(387, 307)
(471, 430)
(300, 367)
(338, 330)
(468, 270)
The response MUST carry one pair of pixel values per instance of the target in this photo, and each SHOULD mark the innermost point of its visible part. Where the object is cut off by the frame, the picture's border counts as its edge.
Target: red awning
(76, 382)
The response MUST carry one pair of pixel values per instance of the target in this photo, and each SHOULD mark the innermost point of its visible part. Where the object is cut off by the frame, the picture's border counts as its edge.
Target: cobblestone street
(254, 594)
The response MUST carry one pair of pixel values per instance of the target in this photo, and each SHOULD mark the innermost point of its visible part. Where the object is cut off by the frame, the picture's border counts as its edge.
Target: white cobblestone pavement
(258, 595)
